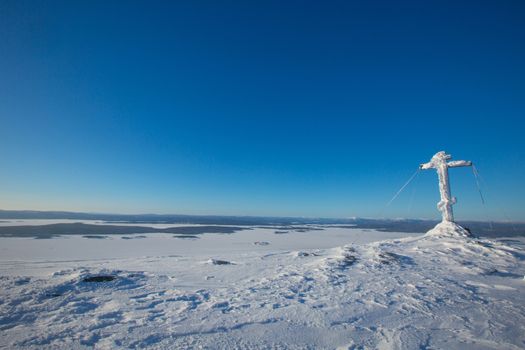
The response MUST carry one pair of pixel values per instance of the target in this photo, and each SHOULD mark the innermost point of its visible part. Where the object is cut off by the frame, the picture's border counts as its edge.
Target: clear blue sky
(260, 108)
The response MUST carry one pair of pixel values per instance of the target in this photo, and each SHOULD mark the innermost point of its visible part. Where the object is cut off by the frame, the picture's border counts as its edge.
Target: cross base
(449, 228)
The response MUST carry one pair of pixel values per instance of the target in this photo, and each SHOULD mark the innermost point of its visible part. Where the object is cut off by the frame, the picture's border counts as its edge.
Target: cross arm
(458, 163)
(425, 166)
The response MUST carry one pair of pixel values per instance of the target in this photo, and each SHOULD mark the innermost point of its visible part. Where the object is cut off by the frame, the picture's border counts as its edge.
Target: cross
(440, 162)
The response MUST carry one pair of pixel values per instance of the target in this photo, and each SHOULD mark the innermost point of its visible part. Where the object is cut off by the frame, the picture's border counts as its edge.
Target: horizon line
(253, 216)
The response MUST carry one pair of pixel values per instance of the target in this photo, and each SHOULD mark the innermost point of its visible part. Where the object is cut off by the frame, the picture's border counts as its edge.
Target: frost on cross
(440, 162)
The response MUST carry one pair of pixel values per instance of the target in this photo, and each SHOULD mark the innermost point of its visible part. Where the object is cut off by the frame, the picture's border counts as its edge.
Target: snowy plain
(336, 288)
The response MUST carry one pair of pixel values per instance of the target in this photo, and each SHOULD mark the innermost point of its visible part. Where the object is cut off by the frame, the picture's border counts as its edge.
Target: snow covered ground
(338, 288)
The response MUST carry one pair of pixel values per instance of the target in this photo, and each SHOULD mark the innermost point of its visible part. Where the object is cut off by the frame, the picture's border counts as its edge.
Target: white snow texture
(442, 290)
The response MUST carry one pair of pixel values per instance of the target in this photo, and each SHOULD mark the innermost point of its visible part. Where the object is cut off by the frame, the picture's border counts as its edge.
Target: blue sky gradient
(260, 108)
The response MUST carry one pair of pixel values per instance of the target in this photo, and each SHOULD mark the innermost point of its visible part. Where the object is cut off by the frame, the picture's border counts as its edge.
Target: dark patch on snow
(305, 254)
(94, 237)
(22, 280)
(224, 307)
(387, 258)
(281, 232)
(263, 243)
(133, 237)
(98, 279)
(221, 262)
(186, 236)
(349, 258)
(53, 295)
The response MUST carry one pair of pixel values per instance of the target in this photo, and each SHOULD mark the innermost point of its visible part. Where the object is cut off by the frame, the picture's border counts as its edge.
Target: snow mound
(450, 229)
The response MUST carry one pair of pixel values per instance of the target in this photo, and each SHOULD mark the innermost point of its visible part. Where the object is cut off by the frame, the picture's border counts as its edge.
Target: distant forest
(228, 224)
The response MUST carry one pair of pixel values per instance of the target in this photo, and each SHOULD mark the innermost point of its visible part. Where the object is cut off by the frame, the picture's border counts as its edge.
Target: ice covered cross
(440, 162)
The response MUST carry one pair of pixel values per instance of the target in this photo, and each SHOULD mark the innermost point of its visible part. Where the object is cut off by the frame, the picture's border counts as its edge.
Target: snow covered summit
(339, 288)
